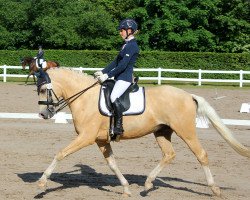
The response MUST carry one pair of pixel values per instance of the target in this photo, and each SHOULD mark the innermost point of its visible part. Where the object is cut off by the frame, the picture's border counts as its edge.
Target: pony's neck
(70, 82)
(28, 60)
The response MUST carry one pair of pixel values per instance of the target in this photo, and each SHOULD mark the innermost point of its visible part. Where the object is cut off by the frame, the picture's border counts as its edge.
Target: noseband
(43, 78)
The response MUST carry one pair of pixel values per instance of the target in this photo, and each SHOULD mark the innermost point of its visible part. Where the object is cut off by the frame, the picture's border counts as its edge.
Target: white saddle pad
(137, 103)
(44, 64)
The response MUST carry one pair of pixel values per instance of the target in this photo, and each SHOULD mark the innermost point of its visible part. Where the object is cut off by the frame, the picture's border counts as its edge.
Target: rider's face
(123, 33)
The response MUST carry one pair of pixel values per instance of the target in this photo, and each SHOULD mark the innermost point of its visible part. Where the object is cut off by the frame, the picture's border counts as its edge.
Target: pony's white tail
(205, 109)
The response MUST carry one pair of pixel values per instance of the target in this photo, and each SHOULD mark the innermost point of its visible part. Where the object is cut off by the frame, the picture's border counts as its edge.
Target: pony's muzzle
(47, 113)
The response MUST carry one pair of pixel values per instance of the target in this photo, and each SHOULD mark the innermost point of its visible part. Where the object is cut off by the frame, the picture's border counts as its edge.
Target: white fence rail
(159, 77)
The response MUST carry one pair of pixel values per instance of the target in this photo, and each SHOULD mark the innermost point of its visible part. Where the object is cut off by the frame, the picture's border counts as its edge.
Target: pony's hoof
(148, 186)
(42, 184)
(126, 195)
(216, 191)
(126, 192)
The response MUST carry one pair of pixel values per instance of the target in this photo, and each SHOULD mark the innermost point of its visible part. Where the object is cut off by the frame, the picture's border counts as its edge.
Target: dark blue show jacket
(40, 54)
(122, 67)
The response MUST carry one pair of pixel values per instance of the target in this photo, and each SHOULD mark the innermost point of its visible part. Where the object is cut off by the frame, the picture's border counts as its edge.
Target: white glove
(98, 73)
(102, 78)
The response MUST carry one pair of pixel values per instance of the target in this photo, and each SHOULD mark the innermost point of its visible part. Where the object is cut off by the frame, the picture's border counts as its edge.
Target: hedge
(147, 59)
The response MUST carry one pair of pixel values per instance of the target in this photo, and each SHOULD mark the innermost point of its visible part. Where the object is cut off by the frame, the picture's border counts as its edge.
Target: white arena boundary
(62, 117)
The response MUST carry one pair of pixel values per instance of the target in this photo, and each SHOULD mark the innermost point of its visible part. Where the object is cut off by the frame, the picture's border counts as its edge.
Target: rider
(121, 69)
(39, 57)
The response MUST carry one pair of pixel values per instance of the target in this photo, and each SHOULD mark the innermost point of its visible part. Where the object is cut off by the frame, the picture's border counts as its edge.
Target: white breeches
(119, 88)
(40, 61)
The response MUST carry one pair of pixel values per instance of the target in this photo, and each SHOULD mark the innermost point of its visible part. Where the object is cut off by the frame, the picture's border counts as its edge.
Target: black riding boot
(40, 65)
(118, 109)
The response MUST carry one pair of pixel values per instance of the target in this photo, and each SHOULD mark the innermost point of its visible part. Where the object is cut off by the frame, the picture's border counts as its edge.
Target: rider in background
(40, 56)
(121, 69)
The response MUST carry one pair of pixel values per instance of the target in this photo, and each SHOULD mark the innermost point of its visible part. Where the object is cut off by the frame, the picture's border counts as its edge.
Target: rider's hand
(97, 74)
(102, 78)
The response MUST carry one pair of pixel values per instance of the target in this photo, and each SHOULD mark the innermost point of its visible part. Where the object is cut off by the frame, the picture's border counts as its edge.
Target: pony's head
(23, 63)
(58, 88)
(26, 61)
(48, 99)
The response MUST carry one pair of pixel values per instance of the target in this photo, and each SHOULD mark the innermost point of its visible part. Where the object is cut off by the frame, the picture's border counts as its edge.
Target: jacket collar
(129, 39)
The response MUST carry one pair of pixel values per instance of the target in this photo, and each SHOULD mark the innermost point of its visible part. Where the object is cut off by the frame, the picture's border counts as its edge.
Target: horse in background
(31, 62)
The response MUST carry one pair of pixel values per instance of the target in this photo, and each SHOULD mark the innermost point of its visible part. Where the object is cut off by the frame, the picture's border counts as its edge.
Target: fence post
(4, 73)
(159, 76)
(241, 78)
(199, 78)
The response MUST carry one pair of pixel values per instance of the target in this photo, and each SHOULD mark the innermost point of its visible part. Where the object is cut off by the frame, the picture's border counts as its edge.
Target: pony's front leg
(34, 79)
(27, 79)
(80, 142)
(42, 183)
(108, 154)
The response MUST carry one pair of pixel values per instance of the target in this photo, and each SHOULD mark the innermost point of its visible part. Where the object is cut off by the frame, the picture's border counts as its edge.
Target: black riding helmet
(128, 24)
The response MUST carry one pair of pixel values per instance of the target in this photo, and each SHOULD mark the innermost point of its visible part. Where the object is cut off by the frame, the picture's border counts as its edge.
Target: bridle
(24, 63)
(43, 79)
(27, 62)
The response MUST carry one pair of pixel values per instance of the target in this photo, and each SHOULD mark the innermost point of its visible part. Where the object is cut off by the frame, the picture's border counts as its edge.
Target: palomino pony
(31, 62)
(174, 111)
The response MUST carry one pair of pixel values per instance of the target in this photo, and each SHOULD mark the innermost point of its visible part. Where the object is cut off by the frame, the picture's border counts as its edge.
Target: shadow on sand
(87, 176)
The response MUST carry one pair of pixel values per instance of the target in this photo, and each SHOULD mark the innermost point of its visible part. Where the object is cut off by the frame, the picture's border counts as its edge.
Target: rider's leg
(118, 109)
(40, 63)
(119, 88)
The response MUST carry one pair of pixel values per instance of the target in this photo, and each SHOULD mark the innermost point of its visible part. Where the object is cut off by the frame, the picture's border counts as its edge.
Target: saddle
(132, 101)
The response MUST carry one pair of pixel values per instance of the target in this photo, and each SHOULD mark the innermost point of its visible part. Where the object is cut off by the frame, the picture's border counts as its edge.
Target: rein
(68, 101)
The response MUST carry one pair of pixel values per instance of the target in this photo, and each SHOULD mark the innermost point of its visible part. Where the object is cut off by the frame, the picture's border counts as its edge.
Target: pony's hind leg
(190, 138)
(163, 138)
(108, 154)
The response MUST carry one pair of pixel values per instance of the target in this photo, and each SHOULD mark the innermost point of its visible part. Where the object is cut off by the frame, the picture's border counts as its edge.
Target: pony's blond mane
(76, 74)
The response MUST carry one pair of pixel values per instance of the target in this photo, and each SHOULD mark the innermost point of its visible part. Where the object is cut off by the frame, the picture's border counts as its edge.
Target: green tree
(14, 26)
(193, 25)
(231, 26)
(72, 25)
(168, 25)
